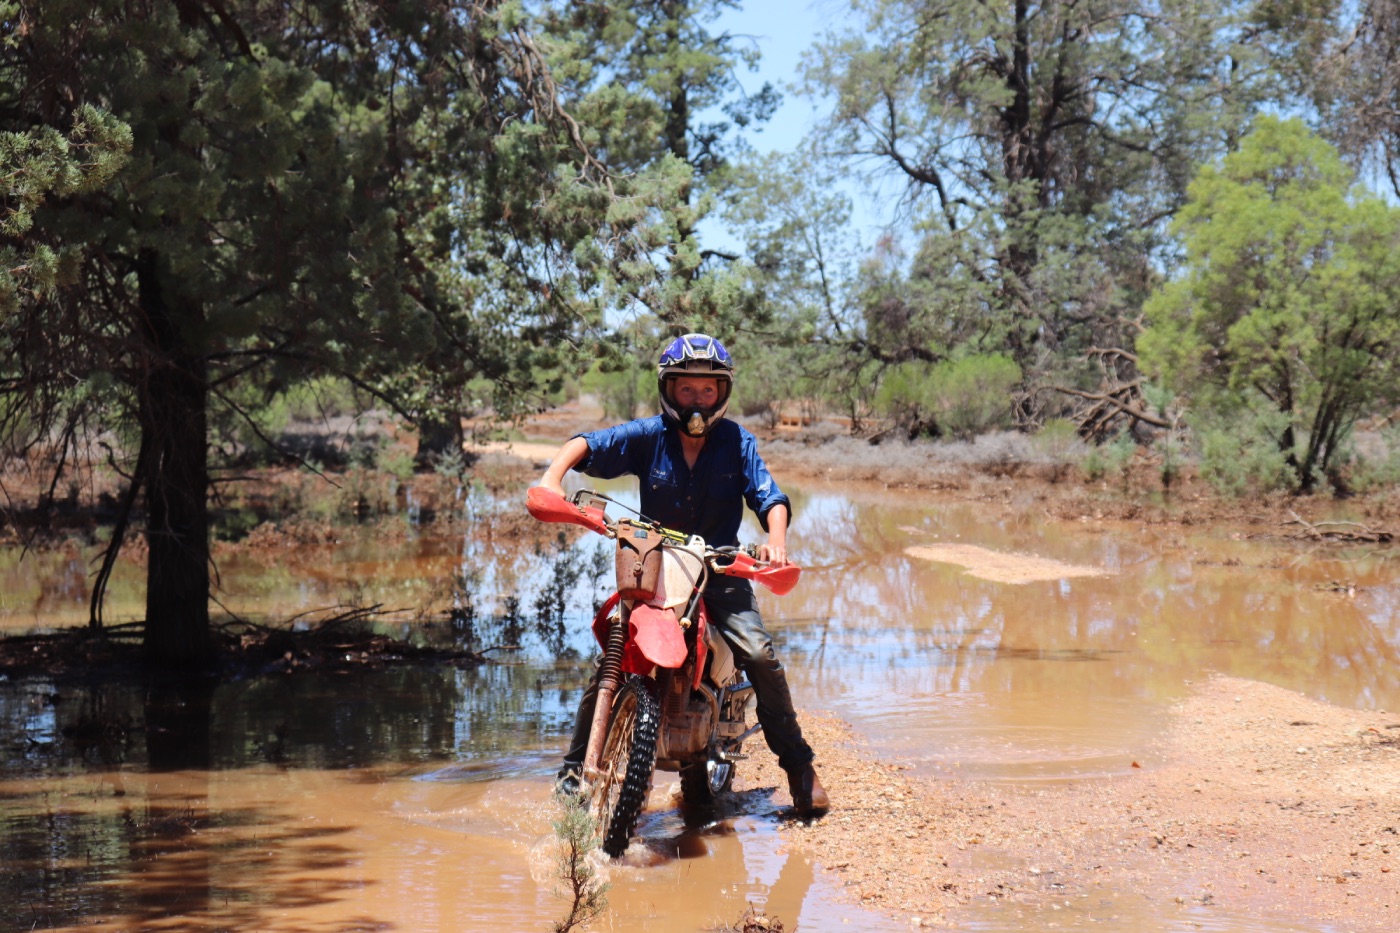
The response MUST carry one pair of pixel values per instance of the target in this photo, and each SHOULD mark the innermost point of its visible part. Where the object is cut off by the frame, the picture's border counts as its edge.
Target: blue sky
(783, 32)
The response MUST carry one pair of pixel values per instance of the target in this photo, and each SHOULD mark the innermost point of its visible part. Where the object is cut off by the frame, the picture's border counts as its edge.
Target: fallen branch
(1108, 406)
(1352, 532)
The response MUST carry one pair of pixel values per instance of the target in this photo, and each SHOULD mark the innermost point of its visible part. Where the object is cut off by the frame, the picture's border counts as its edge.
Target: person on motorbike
(697, 469)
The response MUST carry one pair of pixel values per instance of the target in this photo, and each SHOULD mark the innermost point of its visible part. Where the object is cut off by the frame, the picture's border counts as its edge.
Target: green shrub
(1110, 460)
(254, 425)
(621, 392)
(972, 395)
(583, 889)
(1172, 449)
(1374, 459)
(395, 461)
(905, 397)
(1243, 456)
(1058, 439)
(962, 397)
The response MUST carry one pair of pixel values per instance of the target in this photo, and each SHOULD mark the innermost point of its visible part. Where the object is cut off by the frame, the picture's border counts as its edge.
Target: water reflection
(416, 799)
(1062, 678)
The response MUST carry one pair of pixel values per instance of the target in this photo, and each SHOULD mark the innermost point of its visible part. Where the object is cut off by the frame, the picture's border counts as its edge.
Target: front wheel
(629, 757)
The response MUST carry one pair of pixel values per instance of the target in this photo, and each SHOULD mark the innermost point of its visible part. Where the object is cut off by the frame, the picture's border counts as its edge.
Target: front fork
(609, 679)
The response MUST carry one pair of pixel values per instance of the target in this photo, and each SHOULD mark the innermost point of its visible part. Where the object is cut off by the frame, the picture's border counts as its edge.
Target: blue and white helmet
(694, 355)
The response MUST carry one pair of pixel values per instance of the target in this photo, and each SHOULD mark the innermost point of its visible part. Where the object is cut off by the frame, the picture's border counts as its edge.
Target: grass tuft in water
(754, 920)
(586, 892)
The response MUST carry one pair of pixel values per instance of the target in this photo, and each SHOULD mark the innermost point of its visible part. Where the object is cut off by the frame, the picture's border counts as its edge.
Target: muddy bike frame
(647, 639)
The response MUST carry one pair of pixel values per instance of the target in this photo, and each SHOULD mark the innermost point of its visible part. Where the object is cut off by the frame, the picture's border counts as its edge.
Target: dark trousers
(734, 611)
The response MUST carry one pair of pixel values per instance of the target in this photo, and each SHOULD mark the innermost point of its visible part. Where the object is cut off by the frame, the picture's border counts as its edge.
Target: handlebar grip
(548, 506)
(780, 580)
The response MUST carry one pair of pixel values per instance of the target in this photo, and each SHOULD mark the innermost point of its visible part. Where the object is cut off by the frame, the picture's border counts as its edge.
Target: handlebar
(548, 506)
(588, 509)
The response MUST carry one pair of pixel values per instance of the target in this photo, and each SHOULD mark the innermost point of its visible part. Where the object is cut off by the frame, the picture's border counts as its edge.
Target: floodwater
(419, 800)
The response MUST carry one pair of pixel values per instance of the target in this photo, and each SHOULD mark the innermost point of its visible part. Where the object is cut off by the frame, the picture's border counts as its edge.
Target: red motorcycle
(669, 694)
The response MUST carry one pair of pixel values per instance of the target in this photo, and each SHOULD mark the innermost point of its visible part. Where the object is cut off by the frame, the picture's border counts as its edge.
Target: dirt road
(1262, 803)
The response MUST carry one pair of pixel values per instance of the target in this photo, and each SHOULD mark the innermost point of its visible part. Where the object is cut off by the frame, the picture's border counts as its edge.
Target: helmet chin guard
(694, 355)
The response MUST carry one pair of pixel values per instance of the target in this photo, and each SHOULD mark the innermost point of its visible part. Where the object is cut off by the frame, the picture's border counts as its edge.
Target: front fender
(657, 635)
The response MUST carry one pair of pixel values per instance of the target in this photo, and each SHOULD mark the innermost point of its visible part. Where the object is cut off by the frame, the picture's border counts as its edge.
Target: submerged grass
(582, 888)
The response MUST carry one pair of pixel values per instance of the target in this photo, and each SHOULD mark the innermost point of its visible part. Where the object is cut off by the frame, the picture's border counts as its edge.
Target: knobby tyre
(629, 757)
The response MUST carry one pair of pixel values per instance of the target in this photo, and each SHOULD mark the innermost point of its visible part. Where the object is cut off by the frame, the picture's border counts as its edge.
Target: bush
(621, 392)
(972, 395)
(584, 889)
(1243, 456)
(1171, 449)
(961, 398)
(1374, 459)
(394, 460)
(1058, 441)
(1110, 460)
(905, 397)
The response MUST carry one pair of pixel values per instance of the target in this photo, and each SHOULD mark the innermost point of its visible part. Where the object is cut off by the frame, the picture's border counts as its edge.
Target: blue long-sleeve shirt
(707, 500)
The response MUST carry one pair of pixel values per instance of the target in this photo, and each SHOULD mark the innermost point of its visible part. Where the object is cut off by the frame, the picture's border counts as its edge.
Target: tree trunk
(436, 438)
(172, 399)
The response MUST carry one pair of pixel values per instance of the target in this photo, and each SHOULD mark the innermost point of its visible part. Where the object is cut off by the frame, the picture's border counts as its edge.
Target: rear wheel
(704, 781)
(629, 757)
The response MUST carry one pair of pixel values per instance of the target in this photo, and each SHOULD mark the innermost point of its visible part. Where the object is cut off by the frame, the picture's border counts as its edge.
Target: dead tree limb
(1109, 406)
(1350, 532)
(1118, 399)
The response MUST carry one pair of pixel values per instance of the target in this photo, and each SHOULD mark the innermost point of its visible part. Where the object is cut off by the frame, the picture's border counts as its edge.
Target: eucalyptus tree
(1039, 148)
(1289, 301)
(390, 193)
(794, 219)
(659, 87)
(1350, 67)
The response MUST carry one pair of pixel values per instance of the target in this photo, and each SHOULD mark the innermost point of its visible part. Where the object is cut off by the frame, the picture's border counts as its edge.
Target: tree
(44, 163)
(1343, 59)
(1290, 295)
(388, 193)
(658, 88)
(1359, 86)
(1040, 147)
(794, 221)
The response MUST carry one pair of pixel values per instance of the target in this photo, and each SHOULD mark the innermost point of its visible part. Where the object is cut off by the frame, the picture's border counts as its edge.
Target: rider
(697, 470)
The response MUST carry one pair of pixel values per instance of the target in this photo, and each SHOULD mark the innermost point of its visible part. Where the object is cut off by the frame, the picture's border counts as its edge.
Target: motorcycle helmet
(694, 355)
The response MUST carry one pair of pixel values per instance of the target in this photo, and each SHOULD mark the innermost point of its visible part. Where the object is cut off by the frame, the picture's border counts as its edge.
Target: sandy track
(999, 566)
(1267, 804)
(533, 451)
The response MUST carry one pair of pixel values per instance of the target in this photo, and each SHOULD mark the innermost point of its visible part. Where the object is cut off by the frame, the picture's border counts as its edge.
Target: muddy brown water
(419, 800)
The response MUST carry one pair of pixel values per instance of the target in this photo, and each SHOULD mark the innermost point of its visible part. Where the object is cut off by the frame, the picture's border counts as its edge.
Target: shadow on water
(224, 870)
(157, 801)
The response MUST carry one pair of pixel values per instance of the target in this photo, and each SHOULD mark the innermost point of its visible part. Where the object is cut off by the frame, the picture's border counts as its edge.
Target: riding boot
(808, 795)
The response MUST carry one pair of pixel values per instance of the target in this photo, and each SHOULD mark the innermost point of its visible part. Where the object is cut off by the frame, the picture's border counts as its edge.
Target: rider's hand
(776, 555)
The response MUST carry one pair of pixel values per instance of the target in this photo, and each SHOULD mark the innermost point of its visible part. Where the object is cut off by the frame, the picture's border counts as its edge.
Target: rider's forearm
(568, 457)
(777, 519)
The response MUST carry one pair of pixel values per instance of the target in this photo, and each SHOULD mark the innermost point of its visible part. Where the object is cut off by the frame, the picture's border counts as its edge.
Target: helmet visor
(696, 348)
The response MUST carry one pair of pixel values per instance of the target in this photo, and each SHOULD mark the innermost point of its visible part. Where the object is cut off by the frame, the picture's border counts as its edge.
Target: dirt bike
(670, 697)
